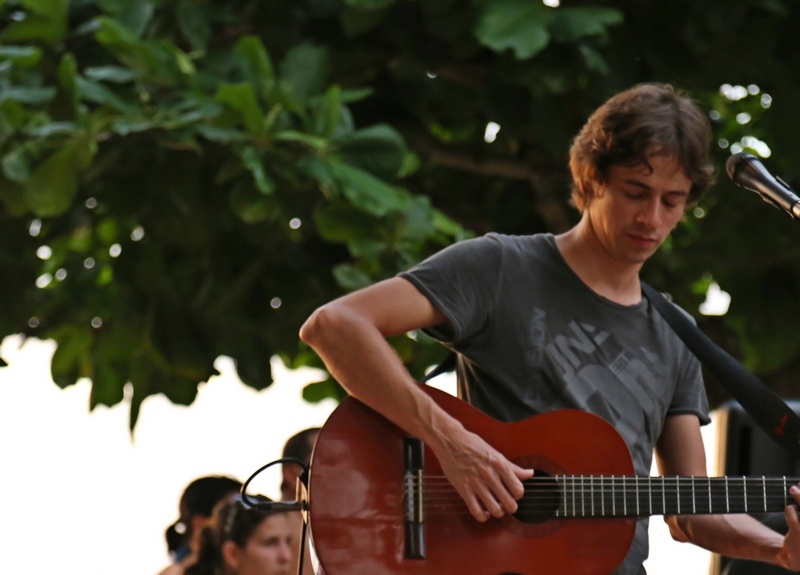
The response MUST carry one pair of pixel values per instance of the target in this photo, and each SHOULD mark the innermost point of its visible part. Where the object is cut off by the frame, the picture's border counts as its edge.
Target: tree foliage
(183, 179)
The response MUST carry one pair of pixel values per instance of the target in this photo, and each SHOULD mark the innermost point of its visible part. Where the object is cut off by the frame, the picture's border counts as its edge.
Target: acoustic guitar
(380, 505)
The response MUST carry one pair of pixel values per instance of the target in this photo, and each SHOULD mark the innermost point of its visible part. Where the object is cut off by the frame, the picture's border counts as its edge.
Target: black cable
(269, 505)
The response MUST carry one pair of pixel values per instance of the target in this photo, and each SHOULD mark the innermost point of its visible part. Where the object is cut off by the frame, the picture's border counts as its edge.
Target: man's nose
(651, 214)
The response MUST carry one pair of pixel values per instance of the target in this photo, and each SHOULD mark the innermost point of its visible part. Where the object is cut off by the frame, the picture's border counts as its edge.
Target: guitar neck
(581, 496)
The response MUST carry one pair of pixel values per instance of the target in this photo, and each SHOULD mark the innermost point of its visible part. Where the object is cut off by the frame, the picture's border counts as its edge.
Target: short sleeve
(690, 393)
(461, 281)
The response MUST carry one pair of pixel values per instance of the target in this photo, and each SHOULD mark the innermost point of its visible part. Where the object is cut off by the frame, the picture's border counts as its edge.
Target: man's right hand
(489, 483)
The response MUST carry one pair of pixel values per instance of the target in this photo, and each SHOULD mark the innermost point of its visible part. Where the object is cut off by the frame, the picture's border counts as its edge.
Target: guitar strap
(448, 364)
(777, 419)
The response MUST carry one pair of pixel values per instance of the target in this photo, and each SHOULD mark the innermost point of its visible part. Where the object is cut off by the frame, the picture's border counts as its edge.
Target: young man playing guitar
(547, 322)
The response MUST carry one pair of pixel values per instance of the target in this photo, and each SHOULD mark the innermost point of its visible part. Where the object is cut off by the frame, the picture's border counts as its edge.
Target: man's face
(636, 209)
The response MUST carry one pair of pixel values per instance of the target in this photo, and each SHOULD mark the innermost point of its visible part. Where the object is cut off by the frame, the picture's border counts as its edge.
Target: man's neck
(613, 279)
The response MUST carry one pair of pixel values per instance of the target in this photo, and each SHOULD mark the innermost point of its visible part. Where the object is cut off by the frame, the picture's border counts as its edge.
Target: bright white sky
(83, 496)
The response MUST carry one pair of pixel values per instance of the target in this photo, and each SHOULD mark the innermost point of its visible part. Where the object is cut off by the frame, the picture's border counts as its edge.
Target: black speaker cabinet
(743, 448)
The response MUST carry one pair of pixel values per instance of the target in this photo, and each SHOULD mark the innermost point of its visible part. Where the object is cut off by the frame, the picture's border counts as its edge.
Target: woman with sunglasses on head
(245, 540)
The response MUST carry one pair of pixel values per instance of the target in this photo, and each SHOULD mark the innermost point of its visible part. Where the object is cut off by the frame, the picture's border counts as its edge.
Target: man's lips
(645, 241)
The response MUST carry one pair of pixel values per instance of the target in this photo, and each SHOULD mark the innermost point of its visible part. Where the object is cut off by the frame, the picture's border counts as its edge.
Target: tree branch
(548, 205)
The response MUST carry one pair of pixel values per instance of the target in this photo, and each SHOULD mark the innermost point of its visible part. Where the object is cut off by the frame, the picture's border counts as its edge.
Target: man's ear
(594, 189)
(231, 555)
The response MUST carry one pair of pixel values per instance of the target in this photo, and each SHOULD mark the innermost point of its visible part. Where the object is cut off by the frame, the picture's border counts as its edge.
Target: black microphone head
(736, 162)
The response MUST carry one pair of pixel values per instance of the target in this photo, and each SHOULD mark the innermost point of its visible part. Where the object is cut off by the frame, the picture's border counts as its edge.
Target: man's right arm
(349, 334)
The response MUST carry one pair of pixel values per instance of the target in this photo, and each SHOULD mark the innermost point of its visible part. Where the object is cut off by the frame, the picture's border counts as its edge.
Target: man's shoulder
(522, 243)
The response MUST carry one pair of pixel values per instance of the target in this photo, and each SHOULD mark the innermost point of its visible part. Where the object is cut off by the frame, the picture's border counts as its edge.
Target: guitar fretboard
(578, 496)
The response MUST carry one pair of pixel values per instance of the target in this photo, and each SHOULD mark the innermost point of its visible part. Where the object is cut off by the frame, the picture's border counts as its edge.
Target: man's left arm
(680, 451)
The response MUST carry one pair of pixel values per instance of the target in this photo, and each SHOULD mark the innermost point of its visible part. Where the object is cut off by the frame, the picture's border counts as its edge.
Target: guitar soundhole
(541, 500)
(535, 516)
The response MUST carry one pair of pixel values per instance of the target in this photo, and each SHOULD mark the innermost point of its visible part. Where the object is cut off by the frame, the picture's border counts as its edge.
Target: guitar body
(356, 500)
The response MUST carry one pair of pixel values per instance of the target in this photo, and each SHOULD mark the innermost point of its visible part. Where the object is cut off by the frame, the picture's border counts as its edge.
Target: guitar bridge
(413, 511)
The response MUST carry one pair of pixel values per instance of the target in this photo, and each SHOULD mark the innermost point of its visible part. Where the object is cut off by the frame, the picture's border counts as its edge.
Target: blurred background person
(195, 508)
(299, 446)
(244, 540)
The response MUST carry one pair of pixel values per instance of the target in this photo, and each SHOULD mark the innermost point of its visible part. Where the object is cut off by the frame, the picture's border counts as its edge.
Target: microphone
(747, 171)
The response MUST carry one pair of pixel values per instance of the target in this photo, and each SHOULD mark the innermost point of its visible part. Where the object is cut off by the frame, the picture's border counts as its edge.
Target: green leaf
(519, 25)
(125, 127)
(136, 15)
(572, 23)
(111, 6)
(53, 129)
(305, 70)
(365, 191)
(141, 56)
(367, 248)
(318, 170)
(222, 135)
(46, 22)
(108, 381)
(193, 23)
(448, 226)
(250, 205)
(350, 277)
(256, 65)
(337, 221)
(252, 359)
(67, 74)
(21, 56)
(356, 95)
(322, 390)
(52, 185)
(115, 74)
(314, 142)
(329, 113)
(594, 60)
(28, 95)
(419, 221)
(179, 391)
(12, 115)
(72, 352)
(253, 160)
(411, 163)
(242, 98)
(99, 94)
(16, 165)
(380, 149)
(49, 8)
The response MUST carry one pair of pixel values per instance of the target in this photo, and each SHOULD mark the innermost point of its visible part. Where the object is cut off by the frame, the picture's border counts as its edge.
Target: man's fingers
(508, 488)
(474, 505)
(514, 482)
(792, 518)
(491, 499)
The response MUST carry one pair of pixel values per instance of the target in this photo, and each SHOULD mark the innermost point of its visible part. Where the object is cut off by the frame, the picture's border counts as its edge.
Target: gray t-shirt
(532, 337)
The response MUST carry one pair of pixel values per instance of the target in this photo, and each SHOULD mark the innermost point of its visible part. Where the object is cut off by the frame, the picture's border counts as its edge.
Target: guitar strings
(586, 496)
